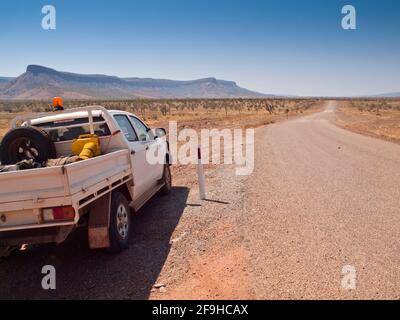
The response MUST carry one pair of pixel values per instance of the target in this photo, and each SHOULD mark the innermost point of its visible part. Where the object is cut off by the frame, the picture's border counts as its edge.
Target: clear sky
(272, 46)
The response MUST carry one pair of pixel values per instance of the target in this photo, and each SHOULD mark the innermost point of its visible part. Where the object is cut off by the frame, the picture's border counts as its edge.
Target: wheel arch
(124, 189)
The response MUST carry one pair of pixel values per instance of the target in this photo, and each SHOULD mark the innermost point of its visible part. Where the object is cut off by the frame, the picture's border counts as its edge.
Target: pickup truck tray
(72, 184)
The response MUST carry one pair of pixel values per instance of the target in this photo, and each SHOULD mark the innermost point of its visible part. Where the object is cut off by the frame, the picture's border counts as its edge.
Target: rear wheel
(120, 223)
(6, 251)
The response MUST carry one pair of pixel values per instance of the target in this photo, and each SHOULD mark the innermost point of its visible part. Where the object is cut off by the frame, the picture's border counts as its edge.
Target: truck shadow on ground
(85, 274)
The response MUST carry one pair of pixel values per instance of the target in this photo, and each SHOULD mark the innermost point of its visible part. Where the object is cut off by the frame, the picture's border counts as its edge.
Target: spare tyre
(26, 143)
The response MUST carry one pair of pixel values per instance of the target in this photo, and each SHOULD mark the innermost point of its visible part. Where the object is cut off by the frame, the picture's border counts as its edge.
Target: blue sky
(277, 46)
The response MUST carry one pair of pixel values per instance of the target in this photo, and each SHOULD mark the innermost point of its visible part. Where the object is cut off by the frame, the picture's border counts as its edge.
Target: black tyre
(120, 223)
(26, 143)
(7, 251)
(166, 180)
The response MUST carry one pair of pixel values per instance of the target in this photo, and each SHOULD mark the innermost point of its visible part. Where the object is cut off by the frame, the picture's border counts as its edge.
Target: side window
(126, 127)
(141, 129)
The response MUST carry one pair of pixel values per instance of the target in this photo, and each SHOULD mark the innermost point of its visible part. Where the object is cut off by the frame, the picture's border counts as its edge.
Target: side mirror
(160, 132)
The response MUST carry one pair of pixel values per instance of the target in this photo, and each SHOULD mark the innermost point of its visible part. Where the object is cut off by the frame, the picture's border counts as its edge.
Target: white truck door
(152, 145)
(142, 178)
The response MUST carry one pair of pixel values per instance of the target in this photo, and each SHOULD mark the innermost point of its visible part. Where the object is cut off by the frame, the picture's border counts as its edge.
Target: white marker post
(200, 174)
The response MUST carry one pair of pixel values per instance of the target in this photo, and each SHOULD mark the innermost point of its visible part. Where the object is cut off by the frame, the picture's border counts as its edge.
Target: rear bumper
(28, 219)
(34, 236)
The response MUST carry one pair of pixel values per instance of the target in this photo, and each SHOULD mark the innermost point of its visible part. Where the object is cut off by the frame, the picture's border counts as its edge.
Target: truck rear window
(70, 129)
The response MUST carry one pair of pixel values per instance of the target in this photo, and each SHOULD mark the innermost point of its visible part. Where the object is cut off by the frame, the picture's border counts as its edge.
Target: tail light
(58, 213)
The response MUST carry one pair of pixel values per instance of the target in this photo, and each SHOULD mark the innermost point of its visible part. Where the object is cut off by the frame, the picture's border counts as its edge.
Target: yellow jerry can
(86, 146)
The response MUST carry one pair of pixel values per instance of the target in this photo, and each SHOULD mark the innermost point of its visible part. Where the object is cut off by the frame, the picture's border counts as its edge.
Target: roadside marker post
(200, 174)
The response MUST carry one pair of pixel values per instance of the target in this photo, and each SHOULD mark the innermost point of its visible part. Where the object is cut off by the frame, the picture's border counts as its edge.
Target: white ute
(45, 205)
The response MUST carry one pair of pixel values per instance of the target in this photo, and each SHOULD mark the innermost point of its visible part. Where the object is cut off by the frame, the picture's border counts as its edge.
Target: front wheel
(120, 223)
(166, 180)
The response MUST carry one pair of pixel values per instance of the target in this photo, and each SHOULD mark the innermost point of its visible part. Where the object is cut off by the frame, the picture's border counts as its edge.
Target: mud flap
(99, 221)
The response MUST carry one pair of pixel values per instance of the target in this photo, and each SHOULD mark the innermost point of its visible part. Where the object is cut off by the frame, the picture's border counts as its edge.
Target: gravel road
(320, 198)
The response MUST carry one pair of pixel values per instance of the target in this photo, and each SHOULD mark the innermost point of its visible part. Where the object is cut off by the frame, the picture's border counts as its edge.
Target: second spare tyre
(26, 143)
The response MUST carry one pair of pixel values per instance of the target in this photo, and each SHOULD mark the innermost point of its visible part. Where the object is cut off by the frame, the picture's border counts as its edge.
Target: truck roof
(72, 115)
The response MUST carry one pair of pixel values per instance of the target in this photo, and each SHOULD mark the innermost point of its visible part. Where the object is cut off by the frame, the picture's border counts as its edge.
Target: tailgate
(31, 184)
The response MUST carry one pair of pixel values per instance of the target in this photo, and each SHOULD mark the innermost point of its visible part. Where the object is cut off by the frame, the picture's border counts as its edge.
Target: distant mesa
(39, 82)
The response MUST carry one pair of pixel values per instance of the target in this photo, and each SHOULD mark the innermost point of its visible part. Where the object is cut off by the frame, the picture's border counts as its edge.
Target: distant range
(42, 83)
